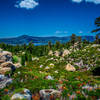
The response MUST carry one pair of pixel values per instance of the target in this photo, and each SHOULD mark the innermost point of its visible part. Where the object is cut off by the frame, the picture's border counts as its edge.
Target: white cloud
(77, 1)
(92, 1)
(28, 4)
(58, 32)
(80, 31)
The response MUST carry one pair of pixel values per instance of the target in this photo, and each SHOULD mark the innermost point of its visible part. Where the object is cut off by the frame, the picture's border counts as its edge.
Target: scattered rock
(95, 45)
(4, 81)
(50, 53)
(47, 68)
(47, 94)
(65, 52)
(49, 77)
(56, 53)
(80, 64)
(69, 67)
(25, 94)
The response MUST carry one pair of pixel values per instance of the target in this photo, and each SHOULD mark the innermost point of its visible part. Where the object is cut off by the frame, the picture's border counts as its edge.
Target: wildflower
(64, 88)
(78, 77)
(36, 97)
(41, 66)
(61, 82)
(30, 70)
(68, 95)
(36, 77)
(6, 90)
(78, 92)
(19, 72)
(49, 77)
(56, 71)
(47, 68)
(51, 97)
(51, 64)
(73, 96)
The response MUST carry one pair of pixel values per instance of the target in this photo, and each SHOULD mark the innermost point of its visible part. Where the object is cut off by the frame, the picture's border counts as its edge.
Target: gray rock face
(25, 94)
(4, 81)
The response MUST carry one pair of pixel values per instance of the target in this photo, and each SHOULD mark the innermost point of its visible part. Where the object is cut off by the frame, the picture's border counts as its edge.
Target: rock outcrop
(6, 62)
(7, 66)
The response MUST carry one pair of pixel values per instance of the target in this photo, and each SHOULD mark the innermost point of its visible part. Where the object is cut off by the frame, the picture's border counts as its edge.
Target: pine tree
(23, 60)
(97, 39)
(30, 47)
(79, 41)
(49, 45)
(73, 39)
(57, 45)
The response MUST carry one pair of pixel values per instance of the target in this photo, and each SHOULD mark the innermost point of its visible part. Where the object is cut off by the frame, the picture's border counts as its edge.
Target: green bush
(15, 59)
(5, 97)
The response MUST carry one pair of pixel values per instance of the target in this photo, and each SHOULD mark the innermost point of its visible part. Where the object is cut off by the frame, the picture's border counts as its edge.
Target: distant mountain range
(25, 39)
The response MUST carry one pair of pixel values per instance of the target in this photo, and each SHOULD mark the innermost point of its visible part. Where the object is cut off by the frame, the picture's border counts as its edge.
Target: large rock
(25, 94)
(65, 52)
(5, 56)
(69, 67)
(49, 94)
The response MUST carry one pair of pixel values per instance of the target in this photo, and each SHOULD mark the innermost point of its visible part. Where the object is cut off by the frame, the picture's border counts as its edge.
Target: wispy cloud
(77, 1)
(61, 33)
(27, 4)
(80, 32)
(94, 1)
(91, 1)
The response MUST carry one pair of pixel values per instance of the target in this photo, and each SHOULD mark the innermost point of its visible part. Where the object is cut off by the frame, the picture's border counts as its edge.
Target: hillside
(25, 39)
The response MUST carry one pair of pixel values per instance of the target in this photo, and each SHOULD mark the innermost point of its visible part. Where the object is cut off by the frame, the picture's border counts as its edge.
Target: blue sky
(48, 17)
